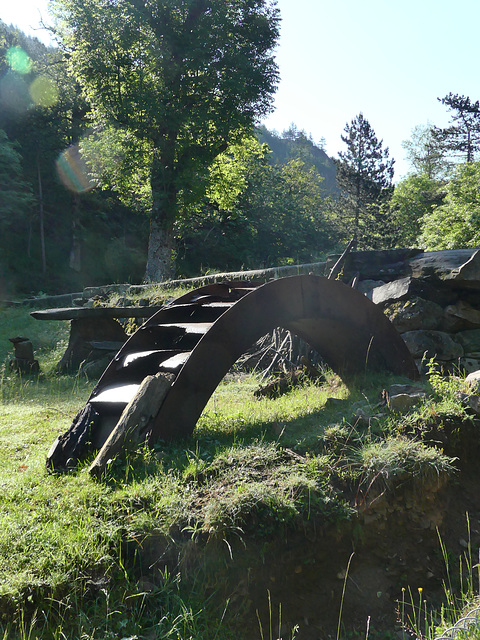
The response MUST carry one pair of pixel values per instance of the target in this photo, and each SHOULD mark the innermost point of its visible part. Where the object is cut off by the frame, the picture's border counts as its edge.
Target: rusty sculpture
(195, 340)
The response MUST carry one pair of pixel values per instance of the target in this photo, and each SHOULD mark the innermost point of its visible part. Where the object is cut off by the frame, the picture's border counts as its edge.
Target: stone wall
(432, 298)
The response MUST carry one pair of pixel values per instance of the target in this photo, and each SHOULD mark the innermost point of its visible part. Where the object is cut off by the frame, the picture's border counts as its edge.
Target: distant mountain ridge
(295, 143)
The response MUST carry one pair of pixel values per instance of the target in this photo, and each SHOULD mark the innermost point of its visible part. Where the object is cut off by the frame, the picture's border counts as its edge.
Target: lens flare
(72, 170)
(19, 60)
(44, 91)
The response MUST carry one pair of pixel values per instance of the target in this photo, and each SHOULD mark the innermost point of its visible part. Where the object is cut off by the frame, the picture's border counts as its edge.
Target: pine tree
(463, 135)
(364, 178)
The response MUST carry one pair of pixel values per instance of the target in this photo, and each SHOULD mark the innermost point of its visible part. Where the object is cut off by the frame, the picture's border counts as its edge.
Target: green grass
(251, 468)
(399, 457)
(155, 293)
(49, 339)
(62, 537)
(72, 550)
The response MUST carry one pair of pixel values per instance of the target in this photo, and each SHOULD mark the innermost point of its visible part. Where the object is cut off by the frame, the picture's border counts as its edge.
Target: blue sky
(389, 59)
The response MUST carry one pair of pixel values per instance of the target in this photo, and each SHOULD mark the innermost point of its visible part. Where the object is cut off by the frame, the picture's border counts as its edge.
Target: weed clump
(397, 458)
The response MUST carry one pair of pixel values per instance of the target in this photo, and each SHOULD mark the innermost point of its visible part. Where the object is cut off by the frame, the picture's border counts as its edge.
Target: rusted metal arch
(197, 338)
(341, 324)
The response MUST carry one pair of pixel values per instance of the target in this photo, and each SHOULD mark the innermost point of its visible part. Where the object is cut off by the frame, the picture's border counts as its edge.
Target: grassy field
(71, 547)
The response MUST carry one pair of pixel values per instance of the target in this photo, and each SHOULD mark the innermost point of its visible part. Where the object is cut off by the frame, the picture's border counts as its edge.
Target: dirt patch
(394, 547)
(296, 579)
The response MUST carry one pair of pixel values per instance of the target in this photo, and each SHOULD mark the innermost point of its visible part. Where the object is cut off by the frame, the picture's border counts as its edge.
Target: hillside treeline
(68, 219)
(60, 230)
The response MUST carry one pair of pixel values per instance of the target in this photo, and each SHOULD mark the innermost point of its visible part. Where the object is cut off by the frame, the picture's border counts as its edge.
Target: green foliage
(425, 154)
(44, 118)
(364, 177)
(16, 198)
(456, 223)
(297, 144)
(186, 78)
(229, 173)
(414, 199)
(118, 162)
(256, 208)
(16, 206)
(256, 214)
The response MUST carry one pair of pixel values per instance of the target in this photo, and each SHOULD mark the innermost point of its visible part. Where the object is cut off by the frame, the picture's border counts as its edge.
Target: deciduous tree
(183, 77)
(256, 213)
(425, 154)
(414, 198)
(456, 224)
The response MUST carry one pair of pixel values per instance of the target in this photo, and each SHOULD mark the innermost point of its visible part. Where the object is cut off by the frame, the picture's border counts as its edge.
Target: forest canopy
(181, 80)
(76, 191)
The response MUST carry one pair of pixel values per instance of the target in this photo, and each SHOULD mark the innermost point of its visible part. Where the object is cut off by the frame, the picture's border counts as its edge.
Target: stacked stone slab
(432, 298)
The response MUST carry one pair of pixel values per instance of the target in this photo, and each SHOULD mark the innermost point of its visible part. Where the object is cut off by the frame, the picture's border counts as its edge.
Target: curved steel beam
(341, 324)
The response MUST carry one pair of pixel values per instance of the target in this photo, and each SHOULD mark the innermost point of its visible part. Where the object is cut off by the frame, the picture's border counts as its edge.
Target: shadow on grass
(219, 435)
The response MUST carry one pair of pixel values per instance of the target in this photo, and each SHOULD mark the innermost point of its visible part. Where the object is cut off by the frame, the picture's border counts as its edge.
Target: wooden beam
(132, 426)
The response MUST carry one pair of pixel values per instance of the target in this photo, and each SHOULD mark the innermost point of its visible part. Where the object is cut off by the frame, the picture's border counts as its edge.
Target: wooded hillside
(61, 229)
(75, 205)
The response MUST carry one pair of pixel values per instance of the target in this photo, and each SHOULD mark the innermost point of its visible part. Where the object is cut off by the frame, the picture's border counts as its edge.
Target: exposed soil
(299, 577)
(395, 544)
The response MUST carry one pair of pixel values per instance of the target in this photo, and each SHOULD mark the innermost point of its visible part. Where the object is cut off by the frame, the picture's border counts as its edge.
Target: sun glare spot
(19, 60)
(72, 170)
(44, 91)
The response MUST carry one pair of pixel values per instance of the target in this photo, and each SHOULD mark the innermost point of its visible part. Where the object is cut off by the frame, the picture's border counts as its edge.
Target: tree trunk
(160, 260)
(75, 258)
(160, 266)
(356, 223)
(41, 218)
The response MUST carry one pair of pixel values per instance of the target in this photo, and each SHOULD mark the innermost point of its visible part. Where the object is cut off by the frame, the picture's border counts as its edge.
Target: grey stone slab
(432, 344)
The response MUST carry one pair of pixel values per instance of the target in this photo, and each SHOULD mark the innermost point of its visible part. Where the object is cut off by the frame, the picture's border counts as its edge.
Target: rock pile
(432, 298)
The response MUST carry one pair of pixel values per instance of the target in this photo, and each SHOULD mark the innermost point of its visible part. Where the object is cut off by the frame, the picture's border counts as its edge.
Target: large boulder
(432, 344)
(469, 364)
(465, 312)
(386, 264)
(470, 340)
(473, 381)
(408, 287)
(458, 267)
(415, 314)
(367, 286)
